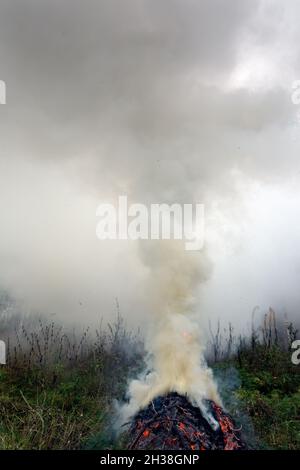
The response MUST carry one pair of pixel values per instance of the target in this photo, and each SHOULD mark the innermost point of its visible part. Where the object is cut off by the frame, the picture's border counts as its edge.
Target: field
(59, 390)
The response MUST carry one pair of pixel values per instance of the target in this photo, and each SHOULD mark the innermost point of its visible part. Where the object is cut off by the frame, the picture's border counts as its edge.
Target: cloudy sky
(164, 101)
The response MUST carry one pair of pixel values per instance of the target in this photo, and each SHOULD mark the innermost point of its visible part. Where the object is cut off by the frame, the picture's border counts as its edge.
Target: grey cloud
(112, 97)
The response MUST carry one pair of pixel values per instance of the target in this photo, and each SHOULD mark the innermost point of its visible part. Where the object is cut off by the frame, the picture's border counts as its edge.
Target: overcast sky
(165, 101)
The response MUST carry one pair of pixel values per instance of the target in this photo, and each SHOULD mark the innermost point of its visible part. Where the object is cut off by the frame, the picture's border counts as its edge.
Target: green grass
(58, 391)
(54, 397)
(270, 390)
(262, 392)
(275, 418)
(36, 414)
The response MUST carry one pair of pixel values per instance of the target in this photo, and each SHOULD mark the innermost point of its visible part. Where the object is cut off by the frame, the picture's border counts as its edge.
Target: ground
(70, 405)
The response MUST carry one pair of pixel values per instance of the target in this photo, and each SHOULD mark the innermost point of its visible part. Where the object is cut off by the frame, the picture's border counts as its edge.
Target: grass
(39, 415)
(58, 389)
(268, 388)
(271, 394)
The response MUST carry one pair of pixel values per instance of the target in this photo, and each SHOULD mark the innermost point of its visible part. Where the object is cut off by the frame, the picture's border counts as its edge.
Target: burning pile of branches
(171, 422)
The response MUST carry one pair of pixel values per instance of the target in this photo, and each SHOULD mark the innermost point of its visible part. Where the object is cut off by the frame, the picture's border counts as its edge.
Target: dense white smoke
(176, 361)
(166, 102)
(173, 101)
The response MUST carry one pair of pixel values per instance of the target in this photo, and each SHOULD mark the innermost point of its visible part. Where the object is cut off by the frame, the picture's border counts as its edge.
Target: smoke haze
(173, 101)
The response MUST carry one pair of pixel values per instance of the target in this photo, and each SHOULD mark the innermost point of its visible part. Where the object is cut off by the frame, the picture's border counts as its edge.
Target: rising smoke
(175, 345)
(166, 102)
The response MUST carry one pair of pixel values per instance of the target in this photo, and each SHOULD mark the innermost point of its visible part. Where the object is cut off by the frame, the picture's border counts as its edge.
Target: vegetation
(268, 387)
(58, 390)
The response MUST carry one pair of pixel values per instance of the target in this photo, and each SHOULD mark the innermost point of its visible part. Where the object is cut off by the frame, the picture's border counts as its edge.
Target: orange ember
(172, 422)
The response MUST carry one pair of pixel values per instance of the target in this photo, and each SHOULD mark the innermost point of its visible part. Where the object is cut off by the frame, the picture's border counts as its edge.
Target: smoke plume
(175, 361)
(166, 102)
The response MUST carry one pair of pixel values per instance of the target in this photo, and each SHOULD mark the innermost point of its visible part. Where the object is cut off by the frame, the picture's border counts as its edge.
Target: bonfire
(171, 422)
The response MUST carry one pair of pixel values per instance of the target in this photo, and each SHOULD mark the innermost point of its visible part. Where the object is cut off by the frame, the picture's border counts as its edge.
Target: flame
(194, 439)
(227, 429)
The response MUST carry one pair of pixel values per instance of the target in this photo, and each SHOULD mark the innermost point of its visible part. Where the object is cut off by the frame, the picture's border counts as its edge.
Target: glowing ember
(171, 422)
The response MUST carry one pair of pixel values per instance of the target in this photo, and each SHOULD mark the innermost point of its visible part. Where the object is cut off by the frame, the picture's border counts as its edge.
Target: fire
(187, 335)
(227, 428)
(172, 422)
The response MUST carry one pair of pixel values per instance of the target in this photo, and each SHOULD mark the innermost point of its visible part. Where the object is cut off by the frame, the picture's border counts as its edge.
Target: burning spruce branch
(171, 422)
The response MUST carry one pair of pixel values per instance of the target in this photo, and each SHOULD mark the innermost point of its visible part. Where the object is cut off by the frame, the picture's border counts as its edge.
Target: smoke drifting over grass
(165, 102)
